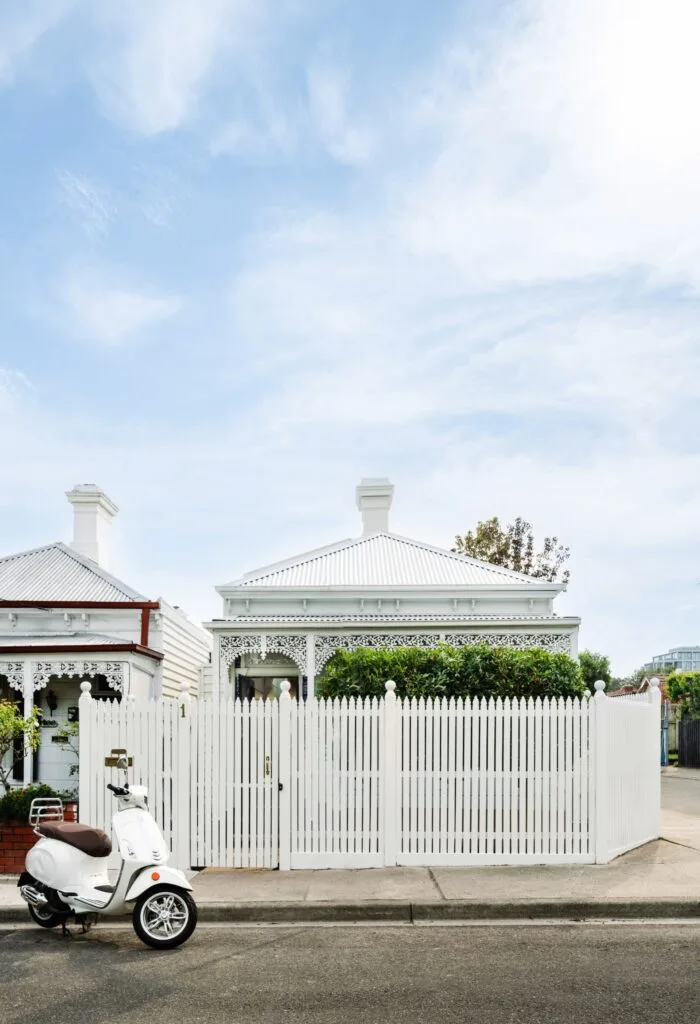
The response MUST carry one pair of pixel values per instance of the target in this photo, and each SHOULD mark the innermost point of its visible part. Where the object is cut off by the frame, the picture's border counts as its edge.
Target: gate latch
(268, 765)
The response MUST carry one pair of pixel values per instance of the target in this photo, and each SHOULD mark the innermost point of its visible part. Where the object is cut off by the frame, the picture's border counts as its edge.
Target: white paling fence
(366, 783)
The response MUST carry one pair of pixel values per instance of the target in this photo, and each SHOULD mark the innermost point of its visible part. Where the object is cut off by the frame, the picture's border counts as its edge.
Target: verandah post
(284, 777)
(601, 774)
(87, 771)
(389, 773)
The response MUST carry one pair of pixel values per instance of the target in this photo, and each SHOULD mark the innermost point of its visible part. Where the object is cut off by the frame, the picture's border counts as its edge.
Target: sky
(252, 251)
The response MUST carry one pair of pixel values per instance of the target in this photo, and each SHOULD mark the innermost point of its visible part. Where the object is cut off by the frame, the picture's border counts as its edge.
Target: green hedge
(14, 806)
(473, 671)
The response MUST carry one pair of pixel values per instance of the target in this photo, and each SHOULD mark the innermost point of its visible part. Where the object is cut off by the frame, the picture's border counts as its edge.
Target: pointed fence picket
(363, 782)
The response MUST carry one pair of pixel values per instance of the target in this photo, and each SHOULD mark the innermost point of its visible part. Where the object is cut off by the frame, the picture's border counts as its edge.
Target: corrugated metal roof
(382, 560)
(59, 640)
(57, 573)
(261, 620)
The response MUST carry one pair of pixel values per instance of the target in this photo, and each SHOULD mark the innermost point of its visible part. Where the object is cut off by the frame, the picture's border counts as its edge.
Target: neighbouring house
(285, 621)
(64, 618)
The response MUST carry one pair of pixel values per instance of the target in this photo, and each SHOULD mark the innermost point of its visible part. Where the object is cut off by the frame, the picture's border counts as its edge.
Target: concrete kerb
(415, 913)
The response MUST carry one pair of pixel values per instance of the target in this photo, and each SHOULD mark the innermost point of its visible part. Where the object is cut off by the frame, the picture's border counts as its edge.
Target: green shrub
(14, 806)
(472, 671)
(683, 688)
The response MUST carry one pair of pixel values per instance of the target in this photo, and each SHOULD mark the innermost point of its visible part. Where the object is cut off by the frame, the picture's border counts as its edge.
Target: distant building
(679, 659)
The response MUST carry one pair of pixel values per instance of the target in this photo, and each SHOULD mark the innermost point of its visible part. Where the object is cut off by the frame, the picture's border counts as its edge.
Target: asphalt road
(681, 793)
(491, 975)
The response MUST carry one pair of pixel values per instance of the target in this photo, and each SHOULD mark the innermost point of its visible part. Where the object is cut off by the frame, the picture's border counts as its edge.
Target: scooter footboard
(145, 880)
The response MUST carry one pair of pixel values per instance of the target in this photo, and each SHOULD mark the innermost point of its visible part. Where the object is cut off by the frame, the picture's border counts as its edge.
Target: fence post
(389, 771)
(602, 768)
(655, 767)
(183, 825)
(86, 769)
(284, 776)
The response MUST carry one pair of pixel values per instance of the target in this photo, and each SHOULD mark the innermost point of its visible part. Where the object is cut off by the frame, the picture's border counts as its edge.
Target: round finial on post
(85, 687)
(390, 686)
(184, 690)
(285, 687)
(599, 685)
(587, 694)
(654, 682)
(131, 698)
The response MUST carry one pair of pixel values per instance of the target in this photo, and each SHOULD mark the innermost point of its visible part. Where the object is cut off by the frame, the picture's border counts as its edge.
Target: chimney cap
(374, 496)
(91, 494)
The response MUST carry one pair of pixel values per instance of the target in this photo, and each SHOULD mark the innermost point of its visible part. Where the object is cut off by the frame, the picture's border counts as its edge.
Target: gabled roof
(383, 560)
(58, 573)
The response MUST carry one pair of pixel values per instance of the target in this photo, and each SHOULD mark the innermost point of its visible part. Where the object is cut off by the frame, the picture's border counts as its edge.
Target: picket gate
(369, 783)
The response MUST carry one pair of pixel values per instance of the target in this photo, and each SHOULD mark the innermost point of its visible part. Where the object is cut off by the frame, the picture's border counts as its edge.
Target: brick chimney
(374, 497)
(93, 513)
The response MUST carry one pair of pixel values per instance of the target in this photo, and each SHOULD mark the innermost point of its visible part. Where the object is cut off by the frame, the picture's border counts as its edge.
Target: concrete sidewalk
(661, 879)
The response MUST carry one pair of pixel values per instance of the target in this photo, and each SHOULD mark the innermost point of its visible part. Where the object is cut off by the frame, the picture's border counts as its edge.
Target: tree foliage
(18, 736)
(513, 547)
(594, 666)
(471, 671)
(683, 688)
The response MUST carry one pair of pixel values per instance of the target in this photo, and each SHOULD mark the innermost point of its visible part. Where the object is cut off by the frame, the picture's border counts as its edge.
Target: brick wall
(17, 837)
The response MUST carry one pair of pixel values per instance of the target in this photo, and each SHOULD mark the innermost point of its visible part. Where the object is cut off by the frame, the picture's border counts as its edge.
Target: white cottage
(65, 618)
(285, 621)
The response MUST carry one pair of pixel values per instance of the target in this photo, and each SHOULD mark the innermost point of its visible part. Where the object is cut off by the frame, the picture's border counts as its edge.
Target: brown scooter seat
(92, 841)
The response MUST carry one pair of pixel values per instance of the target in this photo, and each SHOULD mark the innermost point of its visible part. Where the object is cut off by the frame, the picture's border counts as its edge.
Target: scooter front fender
(145, 880)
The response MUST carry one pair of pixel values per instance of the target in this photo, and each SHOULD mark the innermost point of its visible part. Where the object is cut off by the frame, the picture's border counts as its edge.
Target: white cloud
(89, 203)
(108, 313)
(563, 146)
(328, 102)
(155, 58)
(22, 28)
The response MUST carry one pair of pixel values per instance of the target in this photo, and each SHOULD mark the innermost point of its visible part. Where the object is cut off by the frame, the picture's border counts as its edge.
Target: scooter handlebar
(117, 790)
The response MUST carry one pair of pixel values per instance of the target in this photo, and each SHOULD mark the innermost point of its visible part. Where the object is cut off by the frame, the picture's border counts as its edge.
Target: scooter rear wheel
(45, 917)
(165, 917)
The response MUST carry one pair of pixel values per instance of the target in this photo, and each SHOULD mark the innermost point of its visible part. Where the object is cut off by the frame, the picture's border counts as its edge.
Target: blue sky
(253, 251)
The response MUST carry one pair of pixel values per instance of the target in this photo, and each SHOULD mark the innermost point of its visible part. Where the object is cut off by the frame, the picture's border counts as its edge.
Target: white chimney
(374, 497)
(93, 513)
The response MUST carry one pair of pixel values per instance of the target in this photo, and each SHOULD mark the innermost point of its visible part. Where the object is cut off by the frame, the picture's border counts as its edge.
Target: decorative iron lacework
(326, 646)
(14, 673)
(113, 671)
(293, 645)
(554, 642)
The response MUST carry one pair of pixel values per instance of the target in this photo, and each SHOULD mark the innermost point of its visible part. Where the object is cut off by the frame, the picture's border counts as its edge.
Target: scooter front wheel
(46, 918)
(165, 917)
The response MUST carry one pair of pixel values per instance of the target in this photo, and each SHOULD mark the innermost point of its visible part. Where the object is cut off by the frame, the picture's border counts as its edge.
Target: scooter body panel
(145, 881)
(62, 867)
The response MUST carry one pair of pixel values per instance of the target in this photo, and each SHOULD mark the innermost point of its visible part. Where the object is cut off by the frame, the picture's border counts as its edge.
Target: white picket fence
(367, 783)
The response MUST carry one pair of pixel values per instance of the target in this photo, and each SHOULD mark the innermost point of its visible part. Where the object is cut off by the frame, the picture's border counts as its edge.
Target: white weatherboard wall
(356, 783)
(186, 648)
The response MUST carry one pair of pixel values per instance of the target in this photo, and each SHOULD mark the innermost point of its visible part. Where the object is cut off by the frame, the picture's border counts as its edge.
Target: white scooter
(66, 877)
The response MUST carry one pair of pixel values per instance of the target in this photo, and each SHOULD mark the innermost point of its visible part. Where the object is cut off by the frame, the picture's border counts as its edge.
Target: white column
(216, 668)
(601, 768)
(28, 693)
(310, 664)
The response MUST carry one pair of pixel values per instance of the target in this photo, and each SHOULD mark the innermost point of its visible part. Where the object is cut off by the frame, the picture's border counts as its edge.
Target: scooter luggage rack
(45, 808)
